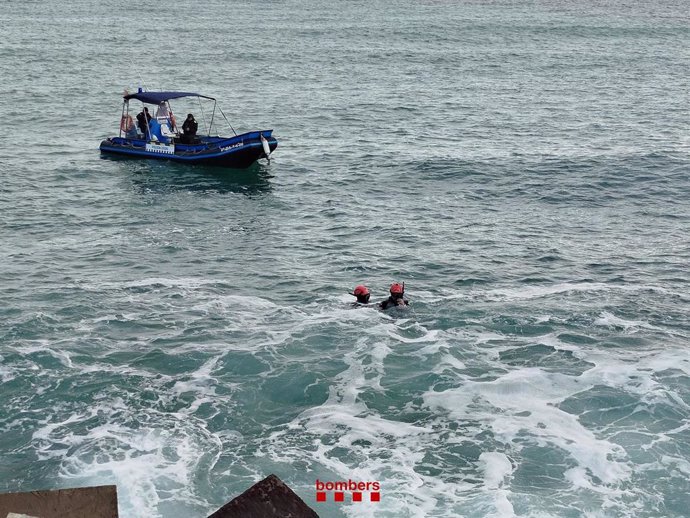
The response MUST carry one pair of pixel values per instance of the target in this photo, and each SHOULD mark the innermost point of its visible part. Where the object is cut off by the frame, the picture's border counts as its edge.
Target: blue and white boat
(161, 136)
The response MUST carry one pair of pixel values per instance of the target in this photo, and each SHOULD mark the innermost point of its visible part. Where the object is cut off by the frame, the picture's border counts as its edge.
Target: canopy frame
(156, 98)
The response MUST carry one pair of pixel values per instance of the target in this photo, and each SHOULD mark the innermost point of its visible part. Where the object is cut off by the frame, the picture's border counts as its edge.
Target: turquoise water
(183, 332)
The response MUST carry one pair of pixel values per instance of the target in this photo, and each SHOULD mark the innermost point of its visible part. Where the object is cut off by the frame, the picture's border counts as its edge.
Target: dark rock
(270, 498)
(83, 502)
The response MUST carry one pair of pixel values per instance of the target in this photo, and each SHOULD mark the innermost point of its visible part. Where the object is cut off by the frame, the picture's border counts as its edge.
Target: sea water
(183, 332)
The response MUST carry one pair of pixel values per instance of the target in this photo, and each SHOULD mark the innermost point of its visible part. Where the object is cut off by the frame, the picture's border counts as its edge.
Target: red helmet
(397, 288)
(361, 290)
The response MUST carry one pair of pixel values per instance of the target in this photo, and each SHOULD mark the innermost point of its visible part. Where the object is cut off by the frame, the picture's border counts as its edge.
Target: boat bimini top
(159, 97)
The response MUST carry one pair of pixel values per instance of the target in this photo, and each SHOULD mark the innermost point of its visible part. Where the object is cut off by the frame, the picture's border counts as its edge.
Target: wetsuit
(392, 302)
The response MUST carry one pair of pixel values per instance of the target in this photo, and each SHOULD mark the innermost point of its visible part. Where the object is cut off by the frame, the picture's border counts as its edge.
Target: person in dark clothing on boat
(143, 119)
(396, 297)
(189, 129)
(362, 294)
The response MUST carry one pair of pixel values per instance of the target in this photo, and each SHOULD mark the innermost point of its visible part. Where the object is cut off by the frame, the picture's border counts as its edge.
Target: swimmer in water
(362, 294)
(396, 297)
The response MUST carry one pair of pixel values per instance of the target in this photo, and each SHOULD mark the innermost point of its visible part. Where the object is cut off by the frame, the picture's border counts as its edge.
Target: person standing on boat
(143, 119)
(396, 297)
(190, 128)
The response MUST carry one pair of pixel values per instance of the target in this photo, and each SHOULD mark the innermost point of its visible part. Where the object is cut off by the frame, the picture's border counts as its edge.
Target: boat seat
(165, 131)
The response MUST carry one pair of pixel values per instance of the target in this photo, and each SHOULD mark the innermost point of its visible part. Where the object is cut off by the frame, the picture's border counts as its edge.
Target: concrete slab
(83, 502)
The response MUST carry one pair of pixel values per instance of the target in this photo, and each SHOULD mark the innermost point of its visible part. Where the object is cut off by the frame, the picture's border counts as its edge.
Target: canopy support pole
(208, 131)
(122, 117)
(226, 120)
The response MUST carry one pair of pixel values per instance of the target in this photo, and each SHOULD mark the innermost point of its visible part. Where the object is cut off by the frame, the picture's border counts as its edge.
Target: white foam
(119, 317)
(496, 467)
(448, 361)
(187, 283)
(45, 432)
(244, 304)
(64, 357)
(535, 292)
(540, 291)
(578, 477)
(610, 320)
(681, 464)
(381, 449)
(6, 373)
(199, 382)
(552, 340)
(141, 461)
(527, 401)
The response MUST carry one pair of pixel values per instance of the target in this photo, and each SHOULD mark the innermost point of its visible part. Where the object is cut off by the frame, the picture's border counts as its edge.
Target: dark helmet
(397, 289)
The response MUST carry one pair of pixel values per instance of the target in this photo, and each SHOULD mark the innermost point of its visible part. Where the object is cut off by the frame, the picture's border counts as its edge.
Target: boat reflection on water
(161, 178)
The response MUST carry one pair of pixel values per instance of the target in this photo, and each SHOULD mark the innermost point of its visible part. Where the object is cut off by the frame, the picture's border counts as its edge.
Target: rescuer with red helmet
(396, 297)
(362, 294)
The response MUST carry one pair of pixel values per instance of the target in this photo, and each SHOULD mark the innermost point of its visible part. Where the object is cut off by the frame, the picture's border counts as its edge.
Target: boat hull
(238, 152)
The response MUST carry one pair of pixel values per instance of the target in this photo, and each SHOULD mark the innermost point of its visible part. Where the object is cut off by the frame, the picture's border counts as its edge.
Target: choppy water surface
(183, 332)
